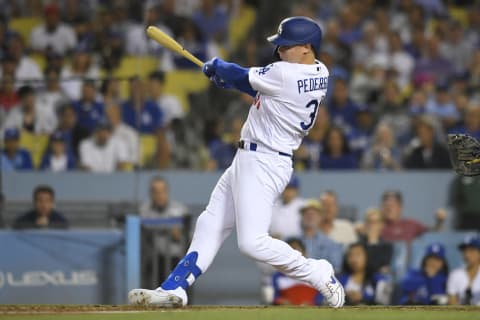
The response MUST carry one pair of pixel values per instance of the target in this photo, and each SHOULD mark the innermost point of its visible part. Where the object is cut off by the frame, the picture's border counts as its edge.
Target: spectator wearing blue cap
(463, 285)
(286, 214)
(14, 157)
(58, 158)
(428, 285)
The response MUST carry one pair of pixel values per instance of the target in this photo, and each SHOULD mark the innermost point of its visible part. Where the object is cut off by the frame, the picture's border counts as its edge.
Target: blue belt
(252, 146)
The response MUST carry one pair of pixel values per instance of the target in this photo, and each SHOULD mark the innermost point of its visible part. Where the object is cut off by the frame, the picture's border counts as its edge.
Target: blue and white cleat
(331, 289)
(158, 298)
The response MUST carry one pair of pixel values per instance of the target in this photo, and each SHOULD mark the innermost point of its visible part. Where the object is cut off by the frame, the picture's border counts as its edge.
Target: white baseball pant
(244, 197)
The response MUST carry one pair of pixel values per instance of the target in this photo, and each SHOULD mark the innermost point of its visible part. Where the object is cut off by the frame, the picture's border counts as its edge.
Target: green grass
(234, 313)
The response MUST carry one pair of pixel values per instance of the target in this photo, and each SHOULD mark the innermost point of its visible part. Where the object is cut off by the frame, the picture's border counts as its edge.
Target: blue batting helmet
(297, 30)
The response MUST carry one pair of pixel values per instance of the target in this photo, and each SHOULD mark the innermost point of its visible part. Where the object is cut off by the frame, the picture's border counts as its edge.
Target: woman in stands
(428, 285)
(363, 286)
(336, 153)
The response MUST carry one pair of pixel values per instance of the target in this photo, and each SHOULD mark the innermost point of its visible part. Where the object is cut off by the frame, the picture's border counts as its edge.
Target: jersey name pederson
(312, 84)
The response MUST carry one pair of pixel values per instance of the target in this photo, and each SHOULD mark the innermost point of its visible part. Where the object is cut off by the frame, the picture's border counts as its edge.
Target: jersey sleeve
(267, 80)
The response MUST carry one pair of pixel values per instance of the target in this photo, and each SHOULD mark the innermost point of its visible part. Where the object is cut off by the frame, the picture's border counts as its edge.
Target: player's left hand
(209, 67)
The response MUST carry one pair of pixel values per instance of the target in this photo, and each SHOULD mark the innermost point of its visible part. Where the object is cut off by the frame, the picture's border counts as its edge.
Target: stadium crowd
(403, 73)
(366, 253)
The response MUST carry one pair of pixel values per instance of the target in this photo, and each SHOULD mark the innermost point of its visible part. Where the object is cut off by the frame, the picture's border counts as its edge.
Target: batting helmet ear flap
(276, 56)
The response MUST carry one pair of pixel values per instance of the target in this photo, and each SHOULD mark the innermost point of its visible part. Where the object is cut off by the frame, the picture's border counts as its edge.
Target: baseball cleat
(158, 298)
(333, 292)
(331, 289)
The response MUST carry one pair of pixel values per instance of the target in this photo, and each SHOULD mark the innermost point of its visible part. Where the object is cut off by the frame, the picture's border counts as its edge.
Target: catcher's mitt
(464, 154)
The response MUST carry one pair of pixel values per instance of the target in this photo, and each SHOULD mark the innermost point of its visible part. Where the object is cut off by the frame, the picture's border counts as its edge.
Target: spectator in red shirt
(398, 228)
(290, 291)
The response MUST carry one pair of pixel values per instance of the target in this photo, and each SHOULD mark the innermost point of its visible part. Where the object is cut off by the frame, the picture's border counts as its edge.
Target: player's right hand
(219, 82)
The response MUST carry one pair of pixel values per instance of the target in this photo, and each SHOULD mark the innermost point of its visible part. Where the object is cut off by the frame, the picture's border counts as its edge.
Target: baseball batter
(287, 95)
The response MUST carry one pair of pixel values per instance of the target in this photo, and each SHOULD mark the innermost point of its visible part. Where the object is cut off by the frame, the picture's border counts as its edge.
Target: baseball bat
(169, 43)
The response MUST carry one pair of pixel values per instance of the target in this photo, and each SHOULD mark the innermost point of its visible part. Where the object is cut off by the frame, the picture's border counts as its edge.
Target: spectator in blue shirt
(58, 157)
(442, 106)
(362, 286)
(140, 113)
(427, 285)
(13, 156)
(359, 137)
(471, 122)
(317, 244)
(212, 20)
(342, 109)
(222, 152)
(68, 125)
(336, 153)
(43, 215)
(88, 110)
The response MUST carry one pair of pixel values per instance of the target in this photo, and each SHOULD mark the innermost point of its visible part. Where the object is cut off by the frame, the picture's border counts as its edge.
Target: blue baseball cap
(294, 182)
(11, 134)
(470, 241)
(435, 249)
(57, 136)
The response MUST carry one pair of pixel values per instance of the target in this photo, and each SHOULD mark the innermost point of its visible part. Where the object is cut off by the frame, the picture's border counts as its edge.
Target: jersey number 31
(313, 103)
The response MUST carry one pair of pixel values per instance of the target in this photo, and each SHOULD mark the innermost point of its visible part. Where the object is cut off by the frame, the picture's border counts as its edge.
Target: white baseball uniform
(458, 283)
(283, 112)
